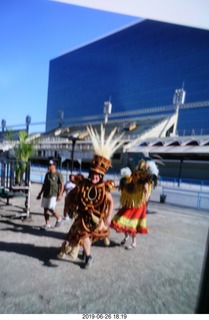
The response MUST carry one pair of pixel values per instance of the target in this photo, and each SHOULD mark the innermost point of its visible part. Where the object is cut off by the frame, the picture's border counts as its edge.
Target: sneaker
(58, 223)
(88, 262)
(132, 246)
(82, 256)
(66, 218)
(46, 227)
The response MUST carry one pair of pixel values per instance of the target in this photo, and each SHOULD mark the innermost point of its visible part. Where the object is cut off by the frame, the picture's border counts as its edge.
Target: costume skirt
(78, 232)
(130, 220)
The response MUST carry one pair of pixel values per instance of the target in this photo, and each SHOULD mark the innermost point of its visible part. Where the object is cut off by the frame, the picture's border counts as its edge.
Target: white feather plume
(102, 147)
(152, 168)
(125, 172)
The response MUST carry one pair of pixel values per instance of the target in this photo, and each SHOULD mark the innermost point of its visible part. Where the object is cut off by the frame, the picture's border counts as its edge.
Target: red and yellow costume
(131, 218)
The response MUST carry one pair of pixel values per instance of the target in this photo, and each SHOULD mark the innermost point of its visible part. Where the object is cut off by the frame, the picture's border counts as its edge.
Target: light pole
(74, 140)
(3, 125)
(107, 110)
(178, 100)
(60, 118)
(28, 121)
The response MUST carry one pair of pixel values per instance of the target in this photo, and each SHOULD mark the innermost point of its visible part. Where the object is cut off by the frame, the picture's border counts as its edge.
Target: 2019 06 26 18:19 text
(106, 316)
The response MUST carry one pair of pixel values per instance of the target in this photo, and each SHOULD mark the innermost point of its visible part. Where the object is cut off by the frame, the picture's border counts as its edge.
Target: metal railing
(185, 197)
(195, 183)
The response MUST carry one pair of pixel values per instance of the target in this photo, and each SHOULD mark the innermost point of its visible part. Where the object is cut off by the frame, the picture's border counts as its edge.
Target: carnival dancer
(150, 167)
(125, 177)
(91, 200)
(131, 218)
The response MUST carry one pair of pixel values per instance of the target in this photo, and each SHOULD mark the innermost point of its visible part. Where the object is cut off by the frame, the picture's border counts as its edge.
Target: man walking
(52, 191)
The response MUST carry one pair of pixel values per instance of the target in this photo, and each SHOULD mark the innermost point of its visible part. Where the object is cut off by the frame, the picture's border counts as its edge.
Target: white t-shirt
(69, 186)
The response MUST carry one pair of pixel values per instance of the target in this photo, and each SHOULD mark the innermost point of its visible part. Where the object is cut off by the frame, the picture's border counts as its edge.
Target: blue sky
(32, 32)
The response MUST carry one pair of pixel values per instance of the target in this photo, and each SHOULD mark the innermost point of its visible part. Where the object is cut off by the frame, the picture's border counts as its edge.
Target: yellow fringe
(134, 199)
(150, 187)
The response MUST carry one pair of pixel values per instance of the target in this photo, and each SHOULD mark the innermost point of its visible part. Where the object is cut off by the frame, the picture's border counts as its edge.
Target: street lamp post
(178, 100)
(60, 118)
(3, 124)
(28, 121)
(107, 110)
(72, 153)
(74, 140)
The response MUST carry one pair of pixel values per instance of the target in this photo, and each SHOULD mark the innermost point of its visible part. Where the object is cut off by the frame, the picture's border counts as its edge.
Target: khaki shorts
(49, 203)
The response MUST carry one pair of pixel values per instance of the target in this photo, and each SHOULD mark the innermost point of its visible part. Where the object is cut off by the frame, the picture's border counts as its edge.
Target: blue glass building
(138, 67)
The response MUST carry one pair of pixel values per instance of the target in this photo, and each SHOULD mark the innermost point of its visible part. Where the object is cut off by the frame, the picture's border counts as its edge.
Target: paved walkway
(160, 276)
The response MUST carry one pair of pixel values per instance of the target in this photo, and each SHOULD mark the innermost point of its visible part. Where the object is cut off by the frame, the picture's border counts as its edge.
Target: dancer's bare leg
(125, 239)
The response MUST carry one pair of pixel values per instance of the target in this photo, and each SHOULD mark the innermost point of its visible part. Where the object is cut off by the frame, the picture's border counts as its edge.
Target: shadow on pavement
(34, 230)
(151, 212)
(14, 213)
(100, 243)
(44, 254)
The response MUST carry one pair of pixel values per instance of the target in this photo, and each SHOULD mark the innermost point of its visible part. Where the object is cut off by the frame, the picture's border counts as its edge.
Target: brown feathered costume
(88, 202)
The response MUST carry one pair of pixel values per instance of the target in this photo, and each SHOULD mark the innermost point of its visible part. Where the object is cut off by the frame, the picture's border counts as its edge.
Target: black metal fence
(13, 172)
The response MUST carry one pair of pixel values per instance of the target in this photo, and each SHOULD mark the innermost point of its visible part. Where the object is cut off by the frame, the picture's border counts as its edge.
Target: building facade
(137, 67)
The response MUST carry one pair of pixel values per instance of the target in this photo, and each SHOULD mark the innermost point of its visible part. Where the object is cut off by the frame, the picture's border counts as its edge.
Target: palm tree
(22, 152)
(8, 135)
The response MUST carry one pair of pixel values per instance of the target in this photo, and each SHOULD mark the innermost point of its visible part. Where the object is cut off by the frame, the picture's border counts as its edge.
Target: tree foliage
(8, 135)
(22, 152)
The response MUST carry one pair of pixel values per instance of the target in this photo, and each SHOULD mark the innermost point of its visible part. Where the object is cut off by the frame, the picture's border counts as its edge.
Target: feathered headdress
(152, 168)
(125, 172)
(103, 148)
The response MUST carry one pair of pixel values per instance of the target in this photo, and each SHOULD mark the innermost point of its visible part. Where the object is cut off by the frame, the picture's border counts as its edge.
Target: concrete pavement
(161, 275)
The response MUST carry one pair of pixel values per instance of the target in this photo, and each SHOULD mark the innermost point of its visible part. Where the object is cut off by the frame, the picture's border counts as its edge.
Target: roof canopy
(192, 13)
